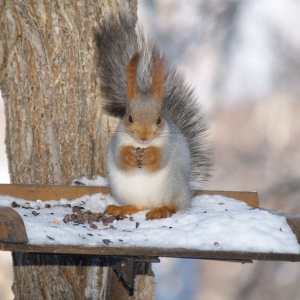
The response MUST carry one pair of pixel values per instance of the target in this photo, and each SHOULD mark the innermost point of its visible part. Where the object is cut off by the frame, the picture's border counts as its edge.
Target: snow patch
(211, 223)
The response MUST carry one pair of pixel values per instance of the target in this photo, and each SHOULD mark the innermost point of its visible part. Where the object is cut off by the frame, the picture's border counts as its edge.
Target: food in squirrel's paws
(139, 152)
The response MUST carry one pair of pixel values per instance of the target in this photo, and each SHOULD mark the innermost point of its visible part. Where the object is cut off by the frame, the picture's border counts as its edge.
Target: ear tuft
(131, 77)
(158, 75)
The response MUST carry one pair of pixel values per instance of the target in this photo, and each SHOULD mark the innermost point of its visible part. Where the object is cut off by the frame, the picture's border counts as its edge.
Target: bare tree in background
(55, 129)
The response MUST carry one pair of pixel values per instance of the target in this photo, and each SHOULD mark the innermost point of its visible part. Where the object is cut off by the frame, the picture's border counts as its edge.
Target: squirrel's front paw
(128, 158)
(150, 158)
(160, 212)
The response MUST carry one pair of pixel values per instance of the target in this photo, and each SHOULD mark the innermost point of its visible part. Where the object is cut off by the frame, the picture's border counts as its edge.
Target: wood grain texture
(61, 276)
(55, 131)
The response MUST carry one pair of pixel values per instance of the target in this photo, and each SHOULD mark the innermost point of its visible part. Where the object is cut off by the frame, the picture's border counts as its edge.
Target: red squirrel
(159, 153)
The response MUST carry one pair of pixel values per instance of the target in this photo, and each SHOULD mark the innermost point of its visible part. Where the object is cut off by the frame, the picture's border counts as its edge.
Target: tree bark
(55, 131)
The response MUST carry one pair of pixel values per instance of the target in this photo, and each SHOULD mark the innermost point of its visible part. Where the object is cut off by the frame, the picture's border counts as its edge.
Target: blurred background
(243, 57)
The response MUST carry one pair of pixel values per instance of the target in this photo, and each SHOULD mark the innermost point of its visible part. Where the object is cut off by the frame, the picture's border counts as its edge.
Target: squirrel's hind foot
(160, 212)
(115, 210)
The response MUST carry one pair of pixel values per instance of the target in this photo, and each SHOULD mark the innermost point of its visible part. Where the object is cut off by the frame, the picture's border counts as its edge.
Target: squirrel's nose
(143, 139)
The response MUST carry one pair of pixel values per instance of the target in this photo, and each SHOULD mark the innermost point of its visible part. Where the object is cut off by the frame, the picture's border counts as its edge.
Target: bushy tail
(116, 44)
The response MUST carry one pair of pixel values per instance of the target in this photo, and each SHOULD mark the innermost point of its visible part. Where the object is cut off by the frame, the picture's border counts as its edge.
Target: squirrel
(159, 153)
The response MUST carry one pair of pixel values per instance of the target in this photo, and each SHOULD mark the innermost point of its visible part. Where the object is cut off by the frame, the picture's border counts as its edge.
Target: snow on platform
(213, 223)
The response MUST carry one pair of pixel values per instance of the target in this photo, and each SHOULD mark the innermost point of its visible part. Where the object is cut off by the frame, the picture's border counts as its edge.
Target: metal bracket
(127, 267)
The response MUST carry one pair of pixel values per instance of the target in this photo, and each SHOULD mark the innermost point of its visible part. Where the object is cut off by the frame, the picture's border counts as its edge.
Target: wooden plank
(49, 192)
(13, 238)
(150, 252)
(53, 192)
(250, 198)
(294, 222)
(12, 228)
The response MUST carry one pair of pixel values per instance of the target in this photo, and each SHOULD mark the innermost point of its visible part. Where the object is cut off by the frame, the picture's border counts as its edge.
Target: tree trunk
(55, 131)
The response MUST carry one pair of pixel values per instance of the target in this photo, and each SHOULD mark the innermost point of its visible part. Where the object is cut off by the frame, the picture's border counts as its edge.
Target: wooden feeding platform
(13, 235)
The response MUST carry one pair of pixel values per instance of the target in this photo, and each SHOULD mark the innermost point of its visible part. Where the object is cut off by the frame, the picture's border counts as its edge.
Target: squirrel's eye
(130, 119)
(158, 121)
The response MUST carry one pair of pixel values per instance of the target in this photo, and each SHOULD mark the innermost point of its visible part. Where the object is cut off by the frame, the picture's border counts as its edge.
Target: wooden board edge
(250, 198)
(49, 192)
(151, 252)
(12, 228)
(294, 223)
(55, 192)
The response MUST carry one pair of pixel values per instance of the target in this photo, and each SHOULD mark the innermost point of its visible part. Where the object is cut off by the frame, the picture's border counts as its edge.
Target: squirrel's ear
(158, 76)
(131, 77)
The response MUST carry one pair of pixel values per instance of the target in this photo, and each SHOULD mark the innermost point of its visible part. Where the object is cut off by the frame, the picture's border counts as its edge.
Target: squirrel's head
(143, 118)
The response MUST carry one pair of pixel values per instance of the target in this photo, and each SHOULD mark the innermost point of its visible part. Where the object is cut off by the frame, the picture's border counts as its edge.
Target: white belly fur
(150, 189)
(140, 188)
